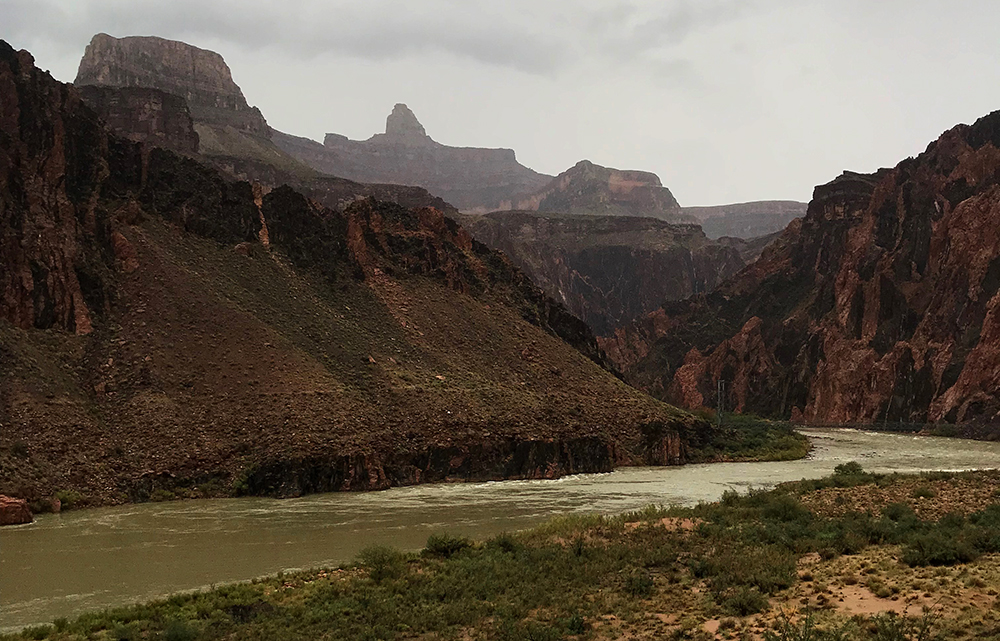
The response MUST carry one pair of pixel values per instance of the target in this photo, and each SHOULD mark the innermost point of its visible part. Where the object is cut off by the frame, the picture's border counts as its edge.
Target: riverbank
(750, 564)
(740, 439)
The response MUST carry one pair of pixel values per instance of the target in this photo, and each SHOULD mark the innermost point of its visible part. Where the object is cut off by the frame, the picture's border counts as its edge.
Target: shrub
(852, 468)
(744, 602)
(178, 630)
(382, 562)
(504, 542)
(923, 492)
(938, 548)
(160, 495)
(576, 624)
(70, 499)
(639, 584)
(446, 545)
(768, 568)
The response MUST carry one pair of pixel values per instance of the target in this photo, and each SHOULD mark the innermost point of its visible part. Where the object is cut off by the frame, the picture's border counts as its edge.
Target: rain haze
(726, 101)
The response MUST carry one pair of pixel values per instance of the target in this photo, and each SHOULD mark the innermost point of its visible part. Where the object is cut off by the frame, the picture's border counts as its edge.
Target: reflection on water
(64, 564)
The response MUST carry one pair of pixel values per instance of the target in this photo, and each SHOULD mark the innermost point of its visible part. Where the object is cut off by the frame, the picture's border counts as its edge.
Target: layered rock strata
(881, 304)
(164, 328)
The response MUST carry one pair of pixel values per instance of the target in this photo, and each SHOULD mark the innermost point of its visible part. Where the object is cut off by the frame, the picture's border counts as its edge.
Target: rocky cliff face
(470, 178)
(610, 270)
(747, 220)
(201, 77)
(881, 304)
(165, 328)
(590, 189)
(144, 115)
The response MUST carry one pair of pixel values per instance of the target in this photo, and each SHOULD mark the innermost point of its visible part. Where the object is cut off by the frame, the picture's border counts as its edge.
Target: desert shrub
(575, 624)
(505, 542)
(382, 562)
(160, 495)
(938, 548)
(70, 499)
(766, 568)
(890, 626)
(19, 449)
(178, 630)
(744, 601)
(923, 492)
(639, 584)
(38, 632)
(785, 508)
(445, 545)
(852, 468)
(730, 498)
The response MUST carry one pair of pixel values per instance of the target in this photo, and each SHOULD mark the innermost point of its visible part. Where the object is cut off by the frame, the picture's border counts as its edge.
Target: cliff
(468, 177)
(747, 220)
(165, 330)
(590, 189)
(142, 114)
(881, 304)
(610, 270)
(226, 125)
(201, 77)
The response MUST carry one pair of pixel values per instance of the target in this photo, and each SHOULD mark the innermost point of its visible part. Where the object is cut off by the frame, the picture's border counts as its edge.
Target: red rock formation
(144, 115)
(14, 511)
(609, 270)
(199, 76)
(52, 163)
(590, 189)
(881, 304)
(376, 338)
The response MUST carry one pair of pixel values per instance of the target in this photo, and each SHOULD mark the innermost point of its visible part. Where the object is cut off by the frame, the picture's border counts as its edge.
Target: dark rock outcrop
(590, 189)
(199, 76)
(224, 329)
(747, 220)
(881, 304)
(14, 511)
(610, 270)
(470, 178)
(144, 115)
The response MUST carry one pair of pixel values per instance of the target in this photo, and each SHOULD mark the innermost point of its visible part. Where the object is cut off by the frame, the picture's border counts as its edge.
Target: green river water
(62, 565)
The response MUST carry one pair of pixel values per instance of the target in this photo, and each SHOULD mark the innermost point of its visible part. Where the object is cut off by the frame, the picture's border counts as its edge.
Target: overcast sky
(725, 100)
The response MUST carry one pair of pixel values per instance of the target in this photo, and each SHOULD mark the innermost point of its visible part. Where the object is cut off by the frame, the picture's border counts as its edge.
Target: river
(64, 564)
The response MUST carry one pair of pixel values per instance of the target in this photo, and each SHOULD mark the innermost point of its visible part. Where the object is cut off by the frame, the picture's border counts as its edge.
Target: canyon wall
(610, 270)
(881, 304)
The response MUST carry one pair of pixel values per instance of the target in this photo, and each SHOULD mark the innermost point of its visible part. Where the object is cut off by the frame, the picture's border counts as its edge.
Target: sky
(725, 100)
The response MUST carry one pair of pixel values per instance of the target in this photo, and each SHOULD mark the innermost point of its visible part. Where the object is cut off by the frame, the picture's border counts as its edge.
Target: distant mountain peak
(402, 124)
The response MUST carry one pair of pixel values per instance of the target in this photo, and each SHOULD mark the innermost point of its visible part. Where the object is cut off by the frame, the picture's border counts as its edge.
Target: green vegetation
(744, 437)
(658, 573)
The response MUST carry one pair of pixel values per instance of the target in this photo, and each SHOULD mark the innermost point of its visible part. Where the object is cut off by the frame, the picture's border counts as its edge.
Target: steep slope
(590, 189)
(747, 220)
(610, 270)
(165, 329)
(470, 178)
(881, 304)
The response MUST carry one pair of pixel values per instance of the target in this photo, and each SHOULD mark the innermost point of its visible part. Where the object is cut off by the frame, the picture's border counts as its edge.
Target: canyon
(881, 304)
(168, 330)
(610, 270)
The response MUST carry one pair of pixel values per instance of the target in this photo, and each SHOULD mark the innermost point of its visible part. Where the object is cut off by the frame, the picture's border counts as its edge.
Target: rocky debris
(609, 270)
(199, 76)
(593, 190)
(144, 115)
(469, 178)
(14, 511)
(747, 220)
(881, 304)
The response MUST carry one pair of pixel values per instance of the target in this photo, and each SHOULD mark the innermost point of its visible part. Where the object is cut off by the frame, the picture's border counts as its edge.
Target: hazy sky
(726, 100)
